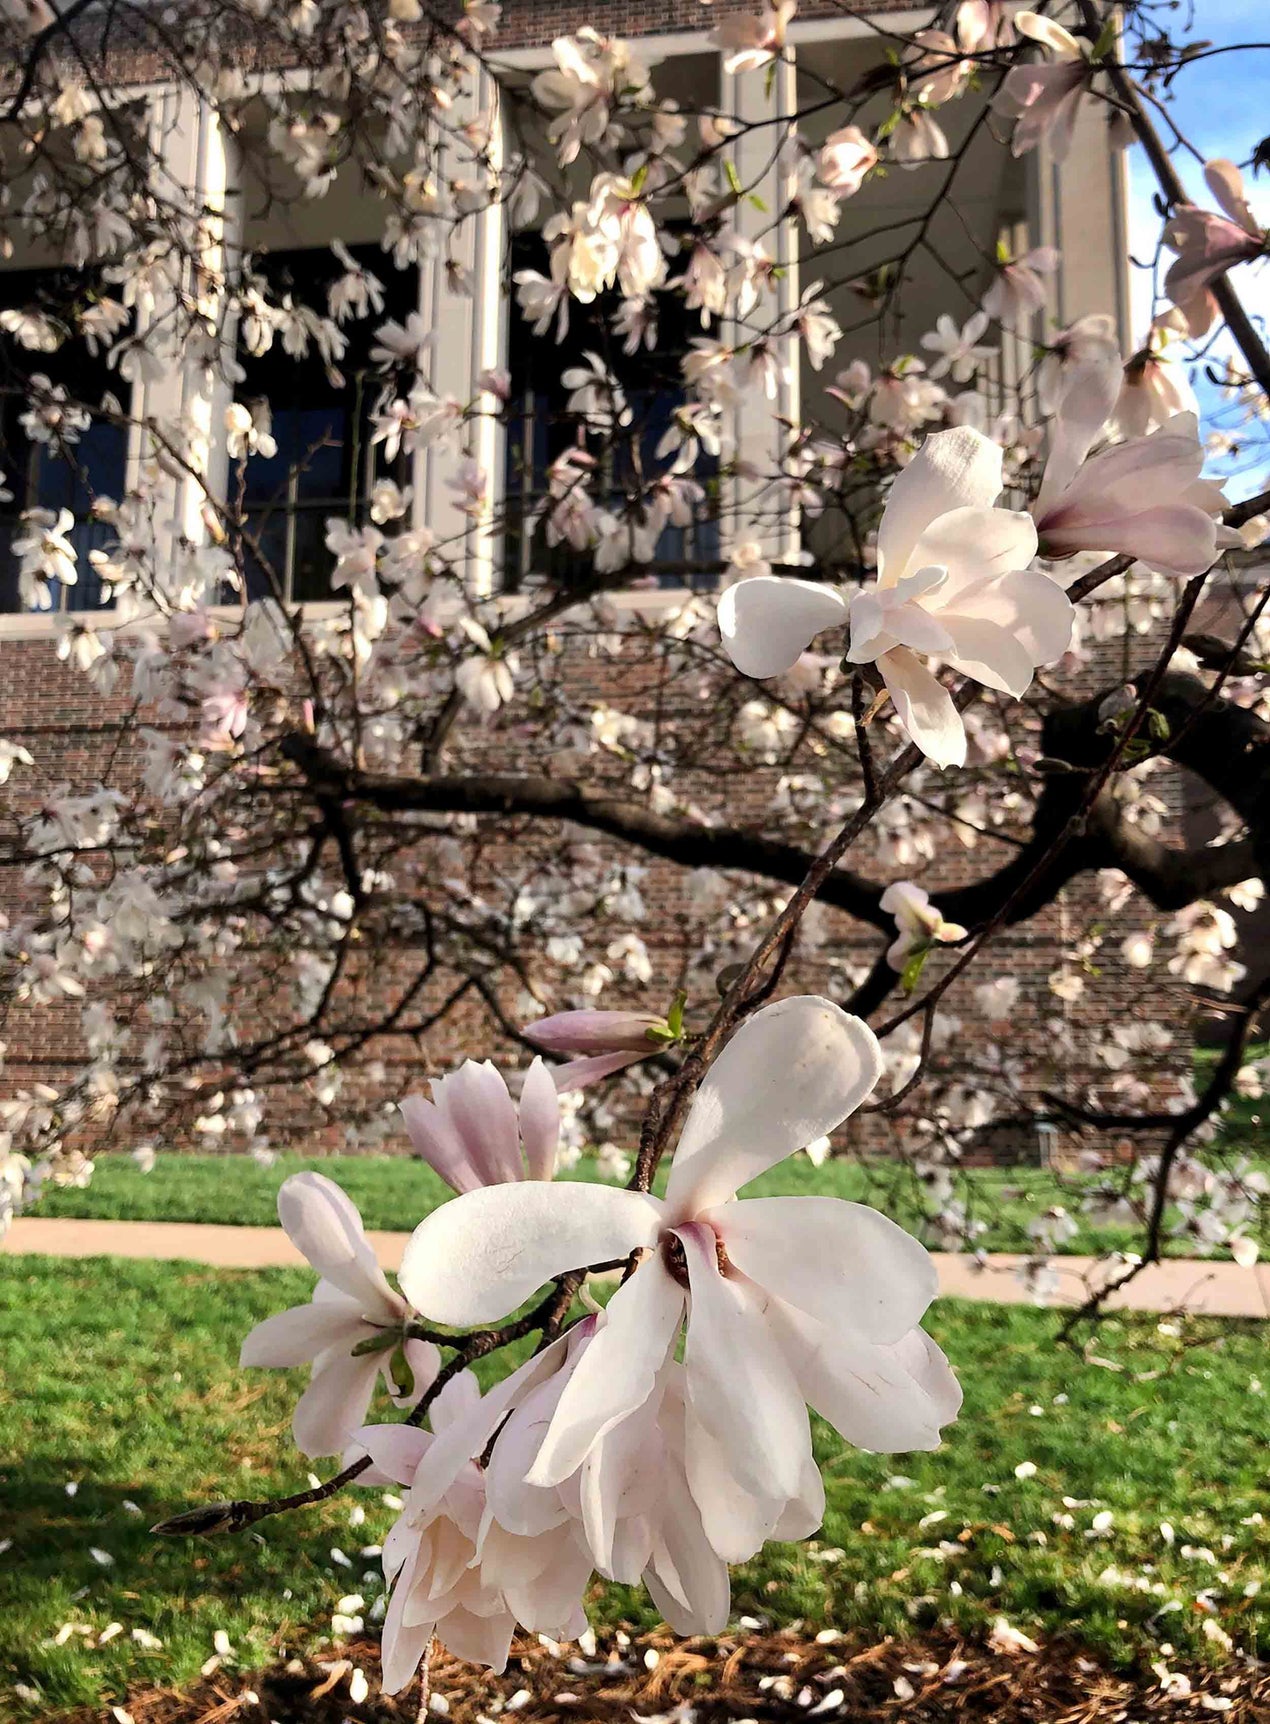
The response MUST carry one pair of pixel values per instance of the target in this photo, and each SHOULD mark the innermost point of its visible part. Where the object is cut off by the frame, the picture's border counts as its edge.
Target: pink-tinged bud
(595, 1032)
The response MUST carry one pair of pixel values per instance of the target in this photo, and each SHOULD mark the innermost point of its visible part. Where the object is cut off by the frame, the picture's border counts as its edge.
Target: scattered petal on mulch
(757, 1677)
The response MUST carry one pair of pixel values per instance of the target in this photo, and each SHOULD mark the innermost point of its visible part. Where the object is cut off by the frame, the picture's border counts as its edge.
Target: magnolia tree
(318, 838)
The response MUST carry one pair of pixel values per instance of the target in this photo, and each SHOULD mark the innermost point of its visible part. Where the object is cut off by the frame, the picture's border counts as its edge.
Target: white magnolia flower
(953, 582)
(789, 1299)
(918, 923)
(352, 1303)
(959, 356)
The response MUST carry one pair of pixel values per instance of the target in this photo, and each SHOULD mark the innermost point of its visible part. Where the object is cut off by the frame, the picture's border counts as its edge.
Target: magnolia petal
(737, 1522)
(739, 1383)
(479, 1256)
(958, 469)
(478, 1639)
(590, 1068)
(972, 543)
(436, 1141)
(618, 1371)
(483, 1115)
(1048, 33)
(322, 1222)
(539, 1120)
(790, 1074)
(1040, 614)
(990, 654)
(335, 1402)
(925, 708)
(297, 1336)
(403, 1647)
(464, 1437)
(843, 1263)
(916, 628)
(1172, 539)
(395, 1452)
(518, 1505)
(686, 1578)
(768, 621)
(1226, 183)
(888, 1400)
(619, 1483)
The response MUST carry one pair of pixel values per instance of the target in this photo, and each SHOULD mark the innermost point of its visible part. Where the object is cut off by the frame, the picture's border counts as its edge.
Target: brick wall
(75, 737)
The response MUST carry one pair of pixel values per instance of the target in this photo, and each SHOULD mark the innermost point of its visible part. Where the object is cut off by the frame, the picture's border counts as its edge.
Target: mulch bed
(763, 1677)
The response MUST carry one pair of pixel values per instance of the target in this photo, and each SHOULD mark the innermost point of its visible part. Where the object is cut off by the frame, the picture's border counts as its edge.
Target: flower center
(676, 1258)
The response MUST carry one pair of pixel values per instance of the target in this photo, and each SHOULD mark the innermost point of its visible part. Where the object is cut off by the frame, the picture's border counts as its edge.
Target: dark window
(325, 465)
(540, 429)
(62, 474)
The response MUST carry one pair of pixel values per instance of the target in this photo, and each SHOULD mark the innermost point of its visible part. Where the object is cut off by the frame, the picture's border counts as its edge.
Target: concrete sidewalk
(1216, 1287)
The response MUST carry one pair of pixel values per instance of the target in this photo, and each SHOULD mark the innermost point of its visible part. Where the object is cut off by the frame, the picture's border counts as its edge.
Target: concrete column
(764, 172)
(470, 336)
(185, 404)
(1081, 208)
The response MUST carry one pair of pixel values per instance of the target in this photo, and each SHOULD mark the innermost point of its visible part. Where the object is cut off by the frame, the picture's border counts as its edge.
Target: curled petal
(479, 1256)
(321, 1221)
(296, 1337)
(925, 708)
(768, 621)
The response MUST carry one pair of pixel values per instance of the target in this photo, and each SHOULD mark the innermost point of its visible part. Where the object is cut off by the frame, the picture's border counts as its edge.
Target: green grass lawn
(120, 1379)
(396, 1192)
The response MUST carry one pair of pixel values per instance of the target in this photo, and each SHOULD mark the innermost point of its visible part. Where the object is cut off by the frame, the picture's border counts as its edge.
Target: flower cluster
(606, 1451)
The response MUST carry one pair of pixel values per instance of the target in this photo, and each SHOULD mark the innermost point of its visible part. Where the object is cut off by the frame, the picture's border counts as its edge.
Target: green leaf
(675, 1016)
(402, 1375)
(1106, 38)
(914, 964)
(377, 1343)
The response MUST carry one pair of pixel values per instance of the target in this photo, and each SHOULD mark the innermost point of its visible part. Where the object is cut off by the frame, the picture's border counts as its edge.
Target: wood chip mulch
(768, 1678)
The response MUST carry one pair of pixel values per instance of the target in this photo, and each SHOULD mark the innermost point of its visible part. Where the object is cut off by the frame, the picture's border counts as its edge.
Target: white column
(767, 100)
(1080, 208)
(469, 330)
(185, 405)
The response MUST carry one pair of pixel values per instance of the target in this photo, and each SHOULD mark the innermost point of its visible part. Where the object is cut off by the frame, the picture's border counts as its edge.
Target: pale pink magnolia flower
(953, 583)
(918, 138)
(982, 25)
(1143, 498)
(937, 69)
(1208, 245)
(351, 1303)
(629, 1506)
(1081, 348)
(1155, 387)
(750, 40)
(1044, 99)
(598, 1042)
(788, 1299)
(225, 714)
(472, 1133)
(959, 353)
(918, 924)
(844, 161)
(1017, 290)
(454, 1570)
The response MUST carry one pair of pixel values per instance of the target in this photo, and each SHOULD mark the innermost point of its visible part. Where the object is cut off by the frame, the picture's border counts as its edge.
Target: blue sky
(1222, 105)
